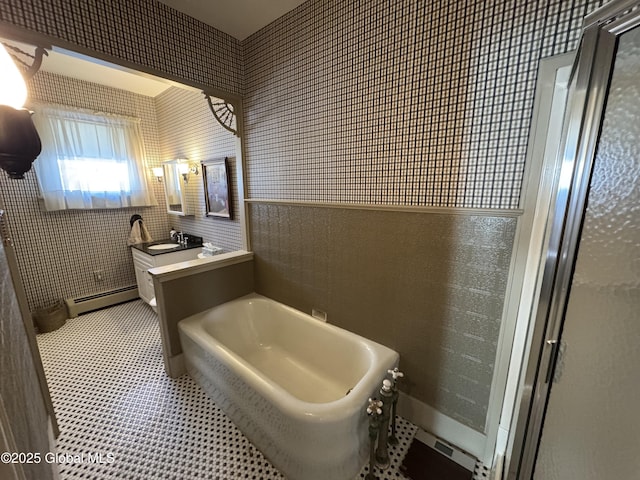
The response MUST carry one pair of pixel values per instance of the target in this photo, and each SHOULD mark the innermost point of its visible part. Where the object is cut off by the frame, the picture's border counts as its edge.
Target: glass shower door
(591, 429)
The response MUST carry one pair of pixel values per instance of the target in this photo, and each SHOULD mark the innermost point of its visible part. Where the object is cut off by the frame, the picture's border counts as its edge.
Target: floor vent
(96, 301)
(429, 458)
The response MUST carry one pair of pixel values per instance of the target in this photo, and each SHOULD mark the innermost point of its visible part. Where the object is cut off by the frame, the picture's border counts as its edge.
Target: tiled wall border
(480, 212)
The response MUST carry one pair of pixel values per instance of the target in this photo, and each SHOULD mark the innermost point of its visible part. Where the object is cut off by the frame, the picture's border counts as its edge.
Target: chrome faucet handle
(375, 407)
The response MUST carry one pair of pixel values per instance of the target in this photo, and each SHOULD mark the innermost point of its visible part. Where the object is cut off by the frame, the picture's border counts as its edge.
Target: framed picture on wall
(217, 191)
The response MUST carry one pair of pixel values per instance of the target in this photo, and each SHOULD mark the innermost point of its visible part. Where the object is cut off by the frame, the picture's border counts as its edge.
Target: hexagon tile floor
(121, 416)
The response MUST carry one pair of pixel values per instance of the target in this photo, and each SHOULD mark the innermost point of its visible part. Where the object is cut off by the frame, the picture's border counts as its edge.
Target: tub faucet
(382, 451)
(395, 375)
(374, 410)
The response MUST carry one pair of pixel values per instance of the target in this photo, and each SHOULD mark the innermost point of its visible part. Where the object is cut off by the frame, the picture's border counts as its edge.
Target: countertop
(144, 247)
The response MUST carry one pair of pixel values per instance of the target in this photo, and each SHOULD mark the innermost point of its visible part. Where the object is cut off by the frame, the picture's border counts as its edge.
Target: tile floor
(120, 416)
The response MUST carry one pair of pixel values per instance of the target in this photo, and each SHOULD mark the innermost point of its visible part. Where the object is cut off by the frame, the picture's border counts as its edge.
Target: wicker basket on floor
(50, 318)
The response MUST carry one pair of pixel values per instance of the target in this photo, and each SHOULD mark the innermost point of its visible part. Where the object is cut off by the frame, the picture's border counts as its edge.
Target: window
(90, 160)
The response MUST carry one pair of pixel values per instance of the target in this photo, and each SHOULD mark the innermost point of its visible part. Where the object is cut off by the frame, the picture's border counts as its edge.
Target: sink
(163, 246)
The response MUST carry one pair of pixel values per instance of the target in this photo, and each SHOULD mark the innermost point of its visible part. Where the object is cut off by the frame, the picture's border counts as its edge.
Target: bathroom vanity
(145, 256)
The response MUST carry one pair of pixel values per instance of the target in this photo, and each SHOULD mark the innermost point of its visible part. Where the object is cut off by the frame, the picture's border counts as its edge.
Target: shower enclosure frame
(583, 119)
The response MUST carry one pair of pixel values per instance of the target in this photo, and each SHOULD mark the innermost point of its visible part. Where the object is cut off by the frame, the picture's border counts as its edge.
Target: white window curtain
(90, 160)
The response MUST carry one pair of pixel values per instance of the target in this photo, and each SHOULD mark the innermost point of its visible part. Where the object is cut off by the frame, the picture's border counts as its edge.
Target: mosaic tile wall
(59, 251)
(399, 102)
(189, 130)
(144, 32)
(429, 286)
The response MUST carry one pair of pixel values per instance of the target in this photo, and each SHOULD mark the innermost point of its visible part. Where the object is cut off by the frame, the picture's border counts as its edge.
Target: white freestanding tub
(295, 386)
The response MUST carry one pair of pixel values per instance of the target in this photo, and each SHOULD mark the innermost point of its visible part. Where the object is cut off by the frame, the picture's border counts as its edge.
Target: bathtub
(295, 386)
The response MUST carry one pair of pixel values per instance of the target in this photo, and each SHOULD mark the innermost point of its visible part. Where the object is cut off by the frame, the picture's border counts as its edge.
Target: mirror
(174, 188)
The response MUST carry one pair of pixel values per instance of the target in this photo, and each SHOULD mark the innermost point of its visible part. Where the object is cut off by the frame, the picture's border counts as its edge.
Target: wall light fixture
(185, 168)
(19, 140)
(158, 172)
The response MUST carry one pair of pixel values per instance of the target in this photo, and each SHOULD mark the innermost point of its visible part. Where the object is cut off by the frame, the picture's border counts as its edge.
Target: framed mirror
(217, 194)
(174, 188)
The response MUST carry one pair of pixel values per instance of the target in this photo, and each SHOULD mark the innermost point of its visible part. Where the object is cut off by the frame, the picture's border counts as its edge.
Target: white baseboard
(444, 427)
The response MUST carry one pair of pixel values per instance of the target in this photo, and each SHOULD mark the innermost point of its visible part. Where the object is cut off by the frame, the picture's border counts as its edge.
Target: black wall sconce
(19, 140)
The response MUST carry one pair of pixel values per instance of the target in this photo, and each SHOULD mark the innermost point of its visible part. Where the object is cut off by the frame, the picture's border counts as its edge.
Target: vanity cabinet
(142, 262)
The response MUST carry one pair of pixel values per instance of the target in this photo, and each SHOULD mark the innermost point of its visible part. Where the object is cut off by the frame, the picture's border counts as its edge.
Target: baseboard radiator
(96, 301)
